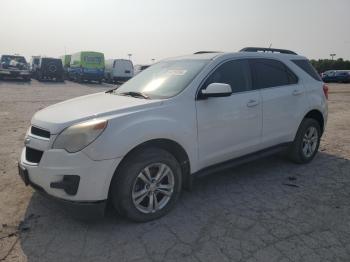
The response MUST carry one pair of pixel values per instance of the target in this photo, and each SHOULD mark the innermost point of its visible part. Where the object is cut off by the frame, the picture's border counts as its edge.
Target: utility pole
(332, 55)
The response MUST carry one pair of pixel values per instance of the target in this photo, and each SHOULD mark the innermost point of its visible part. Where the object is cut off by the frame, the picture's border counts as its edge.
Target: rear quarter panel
(316, 99)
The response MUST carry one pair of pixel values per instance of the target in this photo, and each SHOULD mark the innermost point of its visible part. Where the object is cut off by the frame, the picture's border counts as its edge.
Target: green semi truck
(87, 66)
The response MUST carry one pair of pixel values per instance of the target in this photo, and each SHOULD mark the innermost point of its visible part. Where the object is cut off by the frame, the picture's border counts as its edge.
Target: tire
(40, 77)
(300, 152)
(127, 184)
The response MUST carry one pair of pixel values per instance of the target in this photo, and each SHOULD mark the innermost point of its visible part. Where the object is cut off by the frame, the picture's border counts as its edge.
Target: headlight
(77, 137)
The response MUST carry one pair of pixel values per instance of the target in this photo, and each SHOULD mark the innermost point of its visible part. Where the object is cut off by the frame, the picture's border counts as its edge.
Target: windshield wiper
(110, 91)
(134, 94)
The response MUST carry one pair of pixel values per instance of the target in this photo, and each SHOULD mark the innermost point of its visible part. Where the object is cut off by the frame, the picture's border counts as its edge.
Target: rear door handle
(297, 92)
(252, 103)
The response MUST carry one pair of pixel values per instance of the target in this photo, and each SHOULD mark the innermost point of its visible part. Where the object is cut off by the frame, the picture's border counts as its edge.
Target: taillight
(325, 91)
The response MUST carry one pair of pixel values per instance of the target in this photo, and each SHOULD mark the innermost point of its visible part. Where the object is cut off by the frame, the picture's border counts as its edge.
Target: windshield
(92, 59)
(164, 79)
(8, 59)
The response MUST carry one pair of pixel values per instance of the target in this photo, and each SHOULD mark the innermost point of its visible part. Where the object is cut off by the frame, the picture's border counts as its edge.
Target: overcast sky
(164, 28)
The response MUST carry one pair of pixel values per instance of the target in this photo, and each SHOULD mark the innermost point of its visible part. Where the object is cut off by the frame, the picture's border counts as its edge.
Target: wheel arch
(173, 148)
(318, 116)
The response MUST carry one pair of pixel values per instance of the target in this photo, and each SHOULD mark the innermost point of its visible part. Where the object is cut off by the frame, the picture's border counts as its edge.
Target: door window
(236, 73)
(271, 73)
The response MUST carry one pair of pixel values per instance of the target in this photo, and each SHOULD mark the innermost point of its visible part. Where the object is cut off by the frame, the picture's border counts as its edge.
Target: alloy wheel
(310, 141)
(153, 188)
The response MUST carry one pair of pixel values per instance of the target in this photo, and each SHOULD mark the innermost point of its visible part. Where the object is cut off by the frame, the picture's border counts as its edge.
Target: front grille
(40, 132)
(33, 155)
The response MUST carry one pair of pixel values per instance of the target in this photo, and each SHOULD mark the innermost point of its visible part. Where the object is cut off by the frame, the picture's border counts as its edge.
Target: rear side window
(308, 68)
(236, 73)
(271, 73)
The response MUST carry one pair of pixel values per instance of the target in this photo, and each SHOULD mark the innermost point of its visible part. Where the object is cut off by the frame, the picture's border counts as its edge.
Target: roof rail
(205, 52)
(263, 49)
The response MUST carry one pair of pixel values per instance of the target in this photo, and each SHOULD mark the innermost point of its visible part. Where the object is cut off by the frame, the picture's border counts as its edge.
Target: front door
(229, 127)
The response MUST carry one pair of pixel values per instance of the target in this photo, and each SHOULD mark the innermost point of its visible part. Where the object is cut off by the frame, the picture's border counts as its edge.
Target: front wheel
(147, 185)
(306, 142)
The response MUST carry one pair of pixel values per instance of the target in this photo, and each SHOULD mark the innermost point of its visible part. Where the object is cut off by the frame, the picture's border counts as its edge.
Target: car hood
(59, 116)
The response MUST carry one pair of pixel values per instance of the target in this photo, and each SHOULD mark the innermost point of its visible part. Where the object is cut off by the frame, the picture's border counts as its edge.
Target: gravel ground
(268, 210)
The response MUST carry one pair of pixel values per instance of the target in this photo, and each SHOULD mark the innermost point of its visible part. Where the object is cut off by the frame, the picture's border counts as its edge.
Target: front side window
(164, 79)
(236, 73)
(271, 73)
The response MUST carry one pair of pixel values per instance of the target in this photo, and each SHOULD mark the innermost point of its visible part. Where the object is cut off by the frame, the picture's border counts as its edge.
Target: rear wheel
(147, 185)
(306, 142)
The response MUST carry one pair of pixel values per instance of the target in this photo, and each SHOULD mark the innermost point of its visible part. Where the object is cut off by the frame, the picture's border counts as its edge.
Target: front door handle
(297, 92)
(252, 103)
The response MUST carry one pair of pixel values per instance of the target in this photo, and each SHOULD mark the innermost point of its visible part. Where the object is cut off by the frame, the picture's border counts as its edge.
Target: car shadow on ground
(15, 81)
(51, 82)
(231, 215)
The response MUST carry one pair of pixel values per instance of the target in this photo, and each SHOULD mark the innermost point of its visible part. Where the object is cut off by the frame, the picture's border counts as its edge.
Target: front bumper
(88, 198)
(91, 76)
(14, 73)
(81, 210)
(56, 164)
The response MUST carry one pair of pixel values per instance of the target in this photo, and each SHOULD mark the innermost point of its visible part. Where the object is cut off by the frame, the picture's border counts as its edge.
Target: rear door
(229, 127)
(123, 69)
(283, 98)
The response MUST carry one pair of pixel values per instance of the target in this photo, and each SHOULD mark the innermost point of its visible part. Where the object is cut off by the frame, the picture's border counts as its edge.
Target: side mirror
(216, 90)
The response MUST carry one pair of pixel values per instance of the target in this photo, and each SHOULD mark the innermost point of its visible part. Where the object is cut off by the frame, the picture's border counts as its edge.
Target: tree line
(322, 65)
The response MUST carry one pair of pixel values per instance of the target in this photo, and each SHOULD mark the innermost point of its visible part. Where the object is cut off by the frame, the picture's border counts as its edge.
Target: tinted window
(235, 73)
(8, 58)
(271, 73)
(308, 68)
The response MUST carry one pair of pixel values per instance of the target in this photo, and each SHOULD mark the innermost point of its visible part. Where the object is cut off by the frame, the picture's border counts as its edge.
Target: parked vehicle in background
(33, 64)
(66, 64)
(87, 66)
(118, 70)
(14, 66)
(139, 68)
(336, 76)
(141, 143)
(49, 69)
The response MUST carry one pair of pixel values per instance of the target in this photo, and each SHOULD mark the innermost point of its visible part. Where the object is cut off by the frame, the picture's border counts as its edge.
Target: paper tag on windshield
(176, 72)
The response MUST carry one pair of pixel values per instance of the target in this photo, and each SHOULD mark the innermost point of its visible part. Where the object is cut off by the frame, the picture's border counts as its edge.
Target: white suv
(140, 144)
